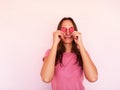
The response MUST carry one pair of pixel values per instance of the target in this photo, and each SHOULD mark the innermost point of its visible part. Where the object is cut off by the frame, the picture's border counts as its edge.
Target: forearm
(89, 68)
(47, 71)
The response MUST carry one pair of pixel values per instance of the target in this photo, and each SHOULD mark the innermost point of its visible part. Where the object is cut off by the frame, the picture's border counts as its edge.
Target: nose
(67, 32)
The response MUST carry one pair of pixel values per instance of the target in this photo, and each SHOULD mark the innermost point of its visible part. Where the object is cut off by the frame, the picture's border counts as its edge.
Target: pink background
(26, 28)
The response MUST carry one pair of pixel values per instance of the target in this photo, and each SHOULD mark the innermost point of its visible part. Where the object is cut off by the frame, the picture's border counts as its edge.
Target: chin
(68, 41)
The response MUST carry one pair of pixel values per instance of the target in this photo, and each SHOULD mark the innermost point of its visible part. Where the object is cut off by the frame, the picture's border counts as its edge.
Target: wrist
(54, 45)
(80, 44)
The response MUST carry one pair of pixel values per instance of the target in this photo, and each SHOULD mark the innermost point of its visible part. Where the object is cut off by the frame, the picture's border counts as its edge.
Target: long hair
(61, 48)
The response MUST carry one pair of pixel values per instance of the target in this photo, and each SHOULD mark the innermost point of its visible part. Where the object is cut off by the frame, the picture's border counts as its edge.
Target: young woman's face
(67, 27)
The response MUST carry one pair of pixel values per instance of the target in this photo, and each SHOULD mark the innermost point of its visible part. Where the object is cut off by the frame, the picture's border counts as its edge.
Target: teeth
(68, 36)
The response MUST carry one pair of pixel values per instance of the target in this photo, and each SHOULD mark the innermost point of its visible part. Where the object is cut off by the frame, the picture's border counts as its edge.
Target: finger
(75, 36)
(60, 34)
(76, 32)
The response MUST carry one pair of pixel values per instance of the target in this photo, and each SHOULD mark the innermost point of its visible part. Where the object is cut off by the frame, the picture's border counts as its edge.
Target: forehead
(67, 23)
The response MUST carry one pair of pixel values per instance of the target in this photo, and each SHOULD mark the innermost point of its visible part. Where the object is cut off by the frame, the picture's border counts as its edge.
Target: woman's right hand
(57, 36)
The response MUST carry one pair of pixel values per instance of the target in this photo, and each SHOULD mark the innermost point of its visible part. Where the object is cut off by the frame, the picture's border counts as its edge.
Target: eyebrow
(69, 27)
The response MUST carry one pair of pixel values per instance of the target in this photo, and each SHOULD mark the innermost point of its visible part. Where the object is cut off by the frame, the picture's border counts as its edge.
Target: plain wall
(26, 28)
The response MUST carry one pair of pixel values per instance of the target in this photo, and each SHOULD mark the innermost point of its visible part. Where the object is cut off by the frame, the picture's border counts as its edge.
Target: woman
(67, 62)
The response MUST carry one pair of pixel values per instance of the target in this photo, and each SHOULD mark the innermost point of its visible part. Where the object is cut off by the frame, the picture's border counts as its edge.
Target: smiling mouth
(68, 36)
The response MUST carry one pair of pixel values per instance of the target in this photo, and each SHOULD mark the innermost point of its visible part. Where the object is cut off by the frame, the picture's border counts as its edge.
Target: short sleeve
(46, 54)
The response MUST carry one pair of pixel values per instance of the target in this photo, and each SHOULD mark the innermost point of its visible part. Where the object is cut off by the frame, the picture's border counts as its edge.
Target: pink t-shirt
(69, 76)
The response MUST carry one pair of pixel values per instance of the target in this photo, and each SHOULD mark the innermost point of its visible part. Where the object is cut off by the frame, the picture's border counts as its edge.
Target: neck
(68, 47)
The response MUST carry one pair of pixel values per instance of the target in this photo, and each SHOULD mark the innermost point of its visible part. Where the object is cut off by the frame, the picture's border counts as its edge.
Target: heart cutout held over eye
(64, 29)
(71, 29)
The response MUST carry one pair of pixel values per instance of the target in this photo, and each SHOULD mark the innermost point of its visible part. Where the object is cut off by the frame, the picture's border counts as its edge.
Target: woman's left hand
(77, 37)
